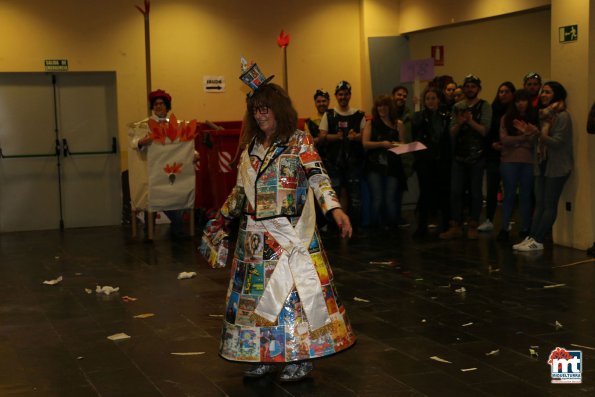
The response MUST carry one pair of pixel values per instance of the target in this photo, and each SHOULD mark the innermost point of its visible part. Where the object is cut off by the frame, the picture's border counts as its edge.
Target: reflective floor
(459, 318)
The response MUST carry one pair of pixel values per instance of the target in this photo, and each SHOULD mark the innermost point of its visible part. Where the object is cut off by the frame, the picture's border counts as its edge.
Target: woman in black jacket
(430, 127)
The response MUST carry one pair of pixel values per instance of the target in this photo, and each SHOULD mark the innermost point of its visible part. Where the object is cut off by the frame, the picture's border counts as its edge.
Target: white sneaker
(531, 246)
(486, 226)
(526, 241)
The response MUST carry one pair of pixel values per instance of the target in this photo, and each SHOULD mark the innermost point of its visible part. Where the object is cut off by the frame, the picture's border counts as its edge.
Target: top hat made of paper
(254, 78)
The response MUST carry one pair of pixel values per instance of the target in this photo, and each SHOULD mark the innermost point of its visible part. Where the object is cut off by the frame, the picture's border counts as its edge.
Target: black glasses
(260, 109)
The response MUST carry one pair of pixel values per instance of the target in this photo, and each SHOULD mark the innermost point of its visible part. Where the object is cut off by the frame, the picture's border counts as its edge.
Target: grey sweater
(559, 147)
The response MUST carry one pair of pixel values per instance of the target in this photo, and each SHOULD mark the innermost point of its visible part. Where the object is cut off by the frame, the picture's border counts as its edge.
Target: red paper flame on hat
(173, 130)
(146, 10)
(283, 39)
(159, 94)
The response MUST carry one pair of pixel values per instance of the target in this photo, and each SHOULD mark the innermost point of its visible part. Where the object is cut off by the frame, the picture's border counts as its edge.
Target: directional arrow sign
(213, 83)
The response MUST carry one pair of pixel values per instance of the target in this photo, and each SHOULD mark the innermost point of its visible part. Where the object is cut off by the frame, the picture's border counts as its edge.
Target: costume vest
(313, 128)
(345, 153)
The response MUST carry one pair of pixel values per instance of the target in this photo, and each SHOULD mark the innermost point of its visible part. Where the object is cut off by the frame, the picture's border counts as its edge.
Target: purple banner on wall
(422, 69)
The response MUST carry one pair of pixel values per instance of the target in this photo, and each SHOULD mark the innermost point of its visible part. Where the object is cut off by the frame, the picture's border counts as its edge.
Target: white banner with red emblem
(170, 165)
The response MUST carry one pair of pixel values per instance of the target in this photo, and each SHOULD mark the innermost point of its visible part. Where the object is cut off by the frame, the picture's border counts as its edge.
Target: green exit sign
(568, 33)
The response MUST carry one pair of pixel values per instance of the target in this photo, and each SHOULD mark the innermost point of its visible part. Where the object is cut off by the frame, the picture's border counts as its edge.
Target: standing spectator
(468, 128)
(591, 130)
(430, 127)
(517, 161)
(532, 83)
(446, 86)
(321, 101)
(493, 146)
(384, 170)
(458, 94)
(400, 94)
(446, 105)
(312, 125)
(448, 94)
(340, 131)
(552, 162)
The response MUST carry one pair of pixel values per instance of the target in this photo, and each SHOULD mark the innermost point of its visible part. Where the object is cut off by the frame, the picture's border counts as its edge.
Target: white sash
(295, 266)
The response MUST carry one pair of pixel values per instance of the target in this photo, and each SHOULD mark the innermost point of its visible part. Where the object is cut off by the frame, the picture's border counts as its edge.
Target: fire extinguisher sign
(438, 55)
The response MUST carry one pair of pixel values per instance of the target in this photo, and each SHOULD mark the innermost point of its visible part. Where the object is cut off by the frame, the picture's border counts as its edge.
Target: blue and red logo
(566, 365)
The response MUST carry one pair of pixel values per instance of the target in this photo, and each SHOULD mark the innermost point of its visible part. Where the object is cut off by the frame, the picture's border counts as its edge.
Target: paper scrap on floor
(119, 336)
(184, 275)
(54, 281)
(106, 289)
(144, 315)
(440, 360)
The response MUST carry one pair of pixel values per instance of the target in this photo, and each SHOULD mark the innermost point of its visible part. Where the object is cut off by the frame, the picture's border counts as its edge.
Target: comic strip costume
(282, 305)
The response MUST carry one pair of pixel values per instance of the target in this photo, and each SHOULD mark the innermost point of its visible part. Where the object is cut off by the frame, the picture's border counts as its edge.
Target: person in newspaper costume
(282, 307)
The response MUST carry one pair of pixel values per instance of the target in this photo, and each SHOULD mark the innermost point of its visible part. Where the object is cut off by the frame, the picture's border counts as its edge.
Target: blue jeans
(547, 194)
(517, 175)
(459, 174)
(383, 190)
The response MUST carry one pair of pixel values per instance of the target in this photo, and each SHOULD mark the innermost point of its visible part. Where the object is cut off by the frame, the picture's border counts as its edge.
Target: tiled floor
(53, 339)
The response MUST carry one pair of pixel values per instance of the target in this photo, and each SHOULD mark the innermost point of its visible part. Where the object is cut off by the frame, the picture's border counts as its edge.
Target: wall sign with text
(56, 65)
(213, 83)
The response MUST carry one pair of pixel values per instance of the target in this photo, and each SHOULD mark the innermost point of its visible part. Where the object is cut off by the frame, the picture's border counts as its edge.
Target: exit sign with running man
(568, 33)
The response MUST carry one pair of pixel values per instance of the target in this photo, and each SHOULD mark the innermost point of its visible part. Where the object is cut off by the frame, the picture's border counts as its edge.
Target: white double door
(59, 165)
